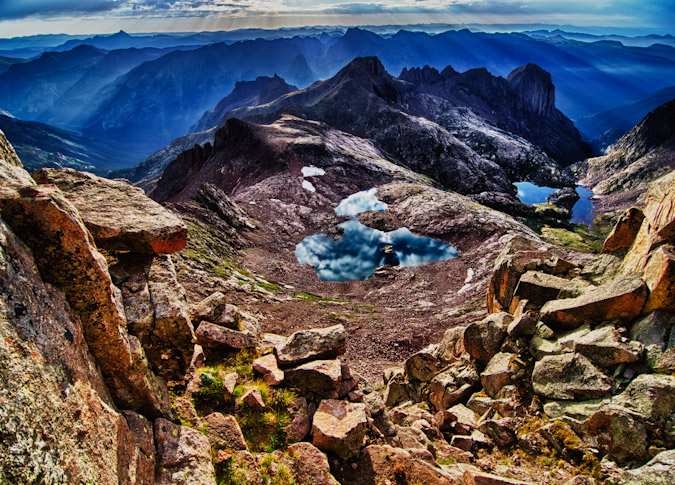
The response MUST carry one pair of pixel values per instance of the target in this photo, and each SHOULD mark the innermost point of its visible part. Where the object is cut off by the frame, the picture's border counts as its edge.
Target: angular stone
(464, 443)
(516, 258)
(224, 433)
(650, 395)
(653, 329)
(452, 386)
(617, 433)
(119, 216)
(267, 367)
(499, 372)
(483, 339)
(316, 343)
(422, 366)
(538, 288)
(209, 308)
(480, 478)
(253, 399)
(406, 415)
(569, 376)
(622, 298)
(544, 331)
(524, 325)
(658, 226)
(212, 336)
(339, 427)
(65, 254)
(502, 431)
(464, 419)
(604, 346)
(320, 376)
(183, 455)
(659, 275)
(270, 340)
(507, 406)
(665, 363)
(452, 345)
(143, 437)
(382, 464)
(660, 470)
(398, 390)
(624, 231)
(302, 421)
(311, 465)
(12, 173)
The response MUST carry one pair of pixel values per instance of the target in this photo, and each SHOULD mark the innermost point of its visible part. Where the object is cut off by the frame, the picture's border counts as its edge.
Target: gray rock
(183, 455)
(659, 471)
(422, 366)
(569, 376)
(654, 329)
(453, 385)
(320, 376)
(214, 337)
(499, 372)
(538, 288)
(483, 339)
(224, 433)
(316, 343)
(604, 346)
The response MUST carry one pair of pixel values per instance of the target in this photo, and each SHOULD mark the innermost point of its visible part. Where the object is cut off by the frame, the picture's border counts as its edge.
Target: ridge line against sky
(30, 17)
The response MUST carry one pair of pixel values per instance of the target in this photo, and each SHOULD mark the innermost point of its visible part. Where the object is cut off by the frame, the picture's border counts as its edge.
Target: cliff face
(642, 155)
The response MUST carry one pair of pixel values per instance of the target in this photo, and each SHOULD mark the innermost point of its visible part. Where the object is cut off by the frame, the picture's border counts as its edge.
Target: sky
(30, 17)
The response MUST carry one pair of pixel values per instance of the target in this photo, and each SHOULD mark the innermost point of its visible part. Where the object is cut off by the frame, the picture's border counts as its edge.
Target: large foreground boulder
(11, 168)
(66, 257)
(622, 298)
(118, 215)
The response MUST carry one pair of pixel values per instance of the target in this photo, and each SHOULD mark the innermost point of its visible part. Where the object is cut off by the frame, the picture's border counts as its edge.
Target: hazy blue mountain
(606, 127)
(41, 145)
(7, 62)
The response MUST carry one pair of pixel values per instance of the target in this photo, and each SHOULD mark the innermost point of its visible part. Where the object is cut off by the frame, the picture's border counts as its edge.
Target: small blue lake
(361, 249)
(582, 212)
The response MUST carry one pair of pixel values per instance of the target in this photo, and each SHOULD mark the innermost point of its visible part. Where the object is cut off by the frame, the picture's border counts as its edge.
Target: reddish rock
(253, 399)
(659, 275)
(622, 298)
(499, 372)
(119, 216)
(267, 367)
(310, 465)
(183, 455)
(624, 231)
(224, 433)
(538, 288)
(11, 168)
(658, 226)
(214, 337)
(483, 339)
(67, 258)
(422, 366)
(479, 478)
(452, 345)
(320, 376)
(339, 427)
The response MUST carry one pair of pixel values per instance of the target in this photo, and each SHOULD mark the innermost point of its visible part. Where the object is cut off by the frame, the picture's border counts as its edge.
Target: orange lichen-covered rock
(624, 231)
(118, 215)
(659, 275)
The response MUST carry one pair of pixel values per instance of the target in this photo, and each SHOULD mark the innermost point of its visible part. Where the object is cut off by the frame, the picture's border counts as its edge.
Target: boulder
(659, 471)
(463, 419)
(517, 257)
(209, 308)
(502, 431)
(143, 439)
(651, 396)
(119, 216)
(453, 385)
(406, 415)
(569, 376)
(422, 366)
(659, 275)
(339, 427)
(523, 325)
(452, 345)
(253, 399)
(506, 406)
(267, 367)
(624, 231)
(665, 363)
(224, 433)
(618, 433)
(316, 343)
(605, 346)
(320, 376)
(398, 390)
(483, 339)
(311, 465)
(214, 337)
(622, 298)
(183, 455)
(66, 257)
(658, 226)
(383, 464)
(500, 371)
(654, 329)
(302, 421)
(472, 477)
(538, 288)
(12, 172)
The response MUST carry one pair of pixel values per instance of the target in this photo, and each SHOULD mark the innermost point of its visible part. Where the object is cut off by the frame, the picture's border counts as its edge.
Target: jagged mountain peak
(655, 129)
(420, 75)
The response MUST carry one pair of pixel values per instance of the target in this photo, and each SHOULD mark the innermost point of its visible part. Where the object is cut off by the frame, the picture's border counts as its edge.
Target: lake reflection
(582, 212)
(361, 249)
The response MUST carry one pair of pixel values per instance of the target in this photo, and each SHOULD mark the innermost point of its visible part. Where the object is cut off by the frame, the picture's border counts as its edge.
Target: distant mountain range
(150, 96)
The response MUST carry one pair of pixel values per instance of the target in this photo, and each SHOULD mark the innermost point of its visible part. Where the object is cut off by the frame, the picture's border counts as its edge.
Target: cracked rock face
(339, 427)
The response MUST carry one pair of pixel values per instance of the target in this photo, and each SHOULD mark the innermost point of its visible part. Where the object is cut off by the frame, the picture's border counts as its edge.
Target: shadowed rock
(624, 231)
(183, 455)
